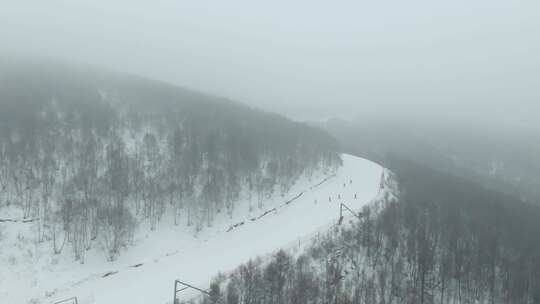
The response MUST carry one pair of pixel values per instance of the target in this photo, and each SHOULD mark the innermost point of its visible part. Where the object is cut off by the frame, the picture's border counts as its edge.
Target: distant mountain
(496, 155)
(89, 154)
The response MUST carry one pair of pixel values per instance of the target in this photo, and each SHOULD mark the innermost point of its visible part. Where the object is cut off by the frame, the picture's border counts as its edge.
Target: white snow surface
(32, 274)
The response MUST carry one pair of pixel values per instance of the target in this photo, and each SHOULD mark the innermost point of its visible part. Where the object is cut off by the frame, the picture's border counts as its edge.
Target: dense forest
(443, 240)
(87, 154)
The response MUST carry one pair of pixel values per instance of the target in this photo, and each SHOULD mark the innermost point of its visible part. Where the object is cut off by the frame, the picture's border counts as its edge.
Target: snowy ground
(145, 273)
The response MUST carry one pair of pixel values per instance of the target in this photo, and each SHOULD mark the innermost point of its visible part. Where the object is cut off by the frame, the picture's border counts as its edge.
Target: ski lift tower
(72, 300)
(343, 207)
(184, 286)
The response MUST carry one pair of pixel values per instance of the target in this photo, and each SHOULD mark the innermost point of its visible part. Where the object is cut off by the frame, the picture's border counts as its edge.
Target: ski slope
(146, 272)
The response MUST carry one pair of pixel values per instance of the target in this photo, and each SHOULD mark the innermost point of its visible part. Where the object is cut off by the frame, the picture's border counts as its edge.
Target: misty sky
(306, 59)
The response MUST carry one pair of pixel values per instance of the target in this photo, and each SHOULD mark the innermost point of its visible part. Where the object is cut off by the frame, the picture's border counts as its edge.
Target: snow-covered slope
(145, 273)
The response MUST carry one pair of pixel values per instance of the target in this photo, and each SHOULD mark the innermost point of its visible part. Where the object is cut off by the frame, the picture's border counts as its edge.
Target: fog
(306, 59)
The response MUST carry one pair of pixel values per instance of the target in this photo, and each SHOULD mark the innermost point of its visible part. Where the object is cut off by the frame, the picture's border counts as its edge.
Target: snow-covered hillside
(145, 273)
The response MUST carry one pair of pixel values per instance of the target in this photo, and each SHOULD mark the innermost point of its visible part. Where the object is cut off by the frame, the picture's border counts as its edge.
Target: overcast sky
(306, 59)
